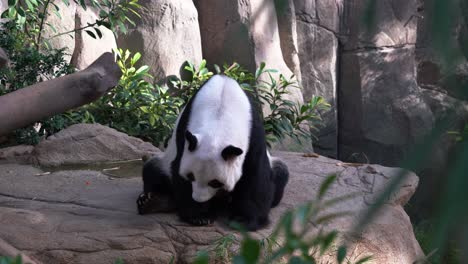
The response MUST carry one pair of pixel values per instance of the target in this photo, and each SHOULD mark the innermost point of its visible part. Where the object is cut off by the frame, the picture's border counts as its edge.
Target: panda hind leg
(156, 195)
(280, 179)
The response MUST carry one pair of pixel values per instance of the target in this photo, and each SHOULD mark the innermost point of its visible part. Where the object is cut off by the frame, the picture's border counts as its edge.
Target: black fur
(230, 152)
(280, 178)
(192, 140)
(258, 190)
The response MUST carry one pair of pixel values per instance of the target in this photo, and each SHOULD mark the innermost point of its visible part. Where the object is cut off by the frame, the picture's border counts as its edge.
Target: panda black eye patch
(215, 184)
(190, 177)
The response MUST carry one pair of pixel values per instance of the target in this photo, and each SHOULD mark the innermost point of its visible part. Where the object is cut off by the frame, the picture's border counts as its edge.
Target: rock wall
(317, 33)
(381, 111)
(167, 35)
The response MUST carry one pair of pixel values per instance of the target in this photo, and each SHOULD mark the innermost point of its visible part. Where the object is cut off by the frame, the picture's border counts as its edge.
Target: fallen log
(33, 103)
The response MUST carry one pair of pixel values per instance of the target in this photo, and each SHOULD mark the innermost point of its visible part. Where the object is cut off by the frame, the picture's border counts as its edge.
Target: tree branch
(41, 25)
(27, 105)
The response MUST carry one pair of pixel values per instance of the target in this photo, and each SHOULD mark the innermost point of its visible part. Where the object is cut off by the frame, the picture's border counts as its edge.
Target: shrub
(136, 106)
(8, 260)
(33, 60)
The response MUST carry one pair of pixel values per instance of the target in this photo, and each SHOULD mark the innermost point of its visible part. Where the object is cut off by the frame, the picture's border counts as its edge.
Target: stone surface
(64, 23)
(318, 51)
(88, 49)
(394, 24)
(89, 143)
(249, 26)
(287, 28)
(19, 154)
(87, 217)
(167, 35)
(382, 111)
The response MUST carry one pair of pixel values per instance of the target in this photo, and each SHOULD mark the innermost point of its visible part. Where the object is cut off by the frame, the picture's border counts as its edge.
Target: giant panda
(217, 160)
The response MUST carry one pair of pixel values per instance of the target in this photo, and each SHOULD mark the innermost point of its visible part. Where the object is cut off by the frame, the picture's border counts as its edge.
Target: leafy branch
(30, 17)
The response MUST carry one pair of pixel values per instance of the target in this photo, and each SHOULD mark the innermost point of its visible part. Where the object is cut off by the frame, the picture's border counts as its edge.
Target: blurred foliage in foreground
(291, 240)
(449, 225)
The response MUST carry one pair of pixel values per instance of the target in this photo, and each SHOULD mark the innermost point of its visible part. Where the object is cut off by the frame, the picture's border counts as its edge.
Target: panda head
(210, 166)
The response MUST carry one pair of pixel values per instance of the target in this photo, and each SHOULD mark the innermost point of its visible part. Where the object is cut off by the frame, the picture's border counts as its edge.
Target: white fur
(220, 116)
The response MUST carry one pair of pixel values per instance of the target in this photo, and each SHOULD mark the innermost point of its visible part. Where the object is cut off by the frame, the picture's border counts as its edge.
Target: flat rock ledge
(84, 216)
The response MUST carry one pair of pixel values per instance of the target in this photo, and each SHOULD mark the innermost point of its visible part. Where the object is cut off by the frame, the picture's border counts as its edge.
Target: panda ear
(231, 152)
(192, 140)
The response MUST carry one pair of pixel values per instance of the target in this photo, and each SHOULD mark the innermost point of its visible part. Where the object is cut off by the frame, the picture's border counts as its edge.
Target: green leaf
(57, 14)
(142, 70)
(250, 250)
(259, 70)
(55, 6)
(4, 14)
(91, 34)
(135, 58)
(325, 186)
(122, 27)
(12, 3)
(363, 260)
(12, 12)
(217, 69)
(52, 27)
(152, 120)
(30, 5)
(202, 64)
(302, 214)
(21, 12)
(103, 13)
(341, 254)
(327, 241)
(202, 258)
(82, 4)
(239, 260)
(298, 260)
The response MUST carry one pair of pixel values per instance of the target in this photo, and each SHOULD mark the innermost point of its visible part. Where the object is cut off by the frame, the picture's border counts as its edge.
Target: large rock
(287, 27)
(87, 217)
(444, 89)
(317, 27)
(87, 48)
(382, 111)
(249, 26)
(19, 154)
(167, 35)
(394, 24)
(64, 23)
(89, 143)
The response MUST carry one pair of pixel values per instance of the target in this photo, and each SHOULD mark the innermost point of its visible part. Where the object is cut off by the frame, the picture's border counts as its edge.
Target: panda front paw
(152, 203)
(196, 217)
(143, 201)
(201, 221)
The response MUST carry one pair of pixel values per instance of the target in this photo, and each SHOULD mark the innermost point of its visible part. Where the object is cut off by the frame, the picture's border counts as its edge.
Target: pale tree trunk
(33, 103)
